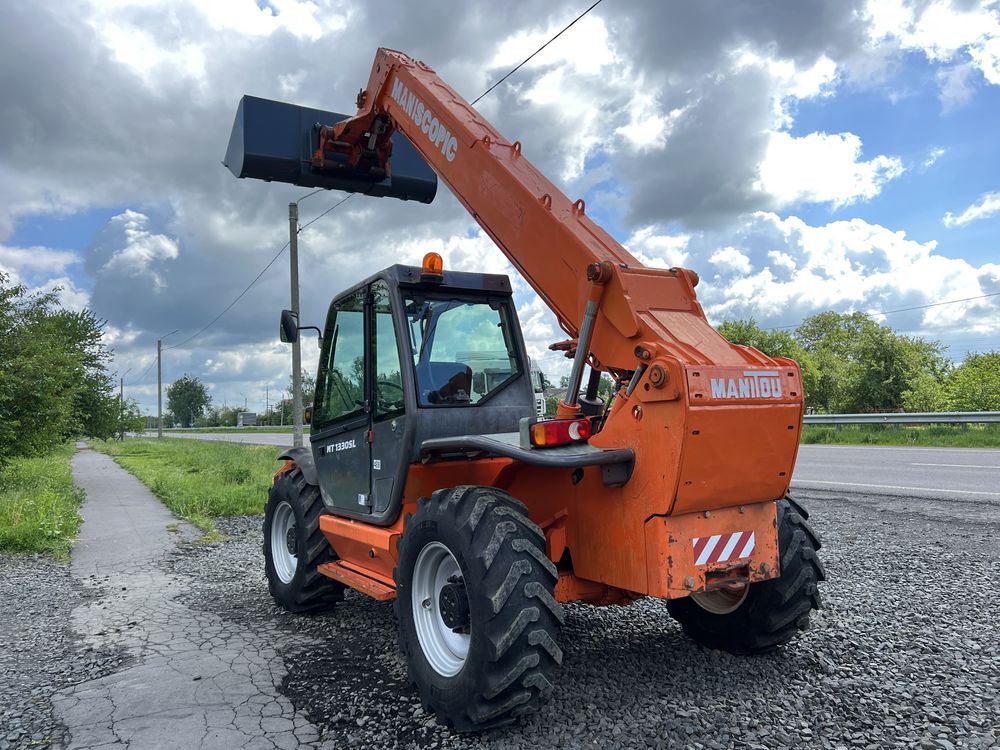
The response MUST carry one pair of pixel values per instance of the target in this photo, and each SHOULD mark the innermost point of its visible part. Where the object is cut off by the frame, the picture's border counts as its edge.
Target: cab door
(342, 408)
(389, 448)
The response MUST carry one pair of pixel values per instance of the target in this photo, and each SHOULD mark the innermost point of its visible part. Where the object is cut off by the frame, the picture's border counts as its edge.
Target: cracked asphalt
(150, 640)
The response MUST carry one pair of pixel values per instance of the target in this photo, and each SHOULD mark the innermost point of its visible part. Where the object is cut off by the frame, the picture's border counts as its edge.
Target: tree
(975, 384)
(926, 393)
(863, 366)
(884, 365)
(227, 416)
(284, 409)
(835, 332)
(131, 418)
(54, 381)
(775, 344)
(187, 399)
(829, 338)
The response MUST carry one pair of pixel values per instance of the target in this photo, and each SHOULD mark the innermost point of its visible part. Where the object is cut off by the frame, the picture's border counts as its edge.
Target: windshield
(463, 350)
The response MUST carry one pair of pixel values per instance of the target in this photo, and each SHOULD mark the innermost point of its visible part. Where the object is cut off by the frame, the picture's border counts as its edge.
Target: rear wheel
(478, 621)
(294, 546)
(759, 617)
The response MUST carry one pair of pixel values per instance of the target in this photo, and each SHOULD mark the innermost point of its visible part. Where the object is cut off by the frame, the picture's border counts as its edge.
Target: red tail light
(551, 432)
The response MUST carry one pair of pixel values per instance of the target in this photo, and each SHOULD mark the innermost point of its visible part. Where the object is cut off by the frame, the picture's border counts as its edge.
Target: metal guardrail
(927, 417)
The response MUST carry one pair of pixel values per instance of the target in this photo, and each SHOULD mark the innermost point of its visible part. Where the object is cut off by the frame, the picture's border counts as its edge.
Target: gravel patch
(41, 653)
(905, 653)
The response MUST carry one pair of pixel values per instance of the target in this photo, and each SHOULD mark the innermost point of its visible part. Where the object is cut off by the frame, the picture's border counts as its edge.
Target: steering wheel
(391, 384)
(387, 402)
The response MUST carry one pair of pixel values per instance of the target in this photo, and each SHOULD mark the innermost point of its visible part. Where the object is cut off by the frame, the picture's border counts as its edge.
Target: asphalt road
(947, 473)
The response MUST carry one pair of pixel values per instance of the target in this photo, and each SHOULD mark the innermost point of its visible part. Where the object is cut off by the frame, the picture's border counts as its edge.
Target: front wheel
(478, 621)
(757, 618)
(294, 546)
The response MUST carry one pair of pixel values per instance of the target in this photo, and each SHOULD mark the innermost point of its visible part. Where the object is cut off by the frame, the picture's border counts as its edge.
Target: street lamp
(159, 385)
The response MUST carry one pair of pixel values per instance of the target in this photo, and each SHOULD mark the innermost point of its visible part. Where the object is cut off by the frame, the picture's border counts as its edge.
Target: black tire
(774, 611)
(514, 619)
(307, 590)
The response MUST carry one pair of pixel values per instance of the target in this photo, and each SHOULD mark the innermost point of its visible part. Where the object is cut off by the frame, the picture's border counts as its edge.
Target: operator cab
(409, 356)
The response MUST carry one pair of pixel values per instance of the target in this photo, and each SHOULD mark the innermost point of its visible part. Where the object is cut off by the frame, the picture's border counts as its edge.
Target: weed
(39, 504)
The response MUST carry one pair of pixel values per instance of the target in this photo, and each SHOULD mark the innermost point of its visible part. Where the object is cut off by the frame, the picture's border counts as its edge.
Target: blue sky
(798, 161)
(913, 126)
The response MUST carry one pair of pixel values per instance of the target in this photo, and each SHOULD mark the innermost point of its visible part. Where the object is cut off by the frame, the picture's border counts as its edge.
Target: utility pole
(293, 257)
(159, 392)
(267, 403)
(121, 404)
(159, 386)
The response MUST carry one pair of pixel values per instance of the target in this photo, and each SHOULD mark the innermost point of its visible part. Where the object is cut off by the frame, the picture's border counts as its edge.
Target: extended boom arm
(547, 237)
(721, 421)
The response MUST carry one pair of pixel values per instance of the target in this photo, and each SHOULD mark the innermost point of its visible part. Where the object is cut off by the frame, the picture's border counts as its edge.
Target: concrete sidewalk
(123, 521)
(191, 682)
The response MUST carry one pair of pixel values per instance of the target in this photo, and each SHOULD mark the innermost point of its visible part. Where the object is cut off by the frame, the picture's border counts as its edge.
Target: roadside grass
(237, 430)
(200, 480)
(936, 436)
(39, 504)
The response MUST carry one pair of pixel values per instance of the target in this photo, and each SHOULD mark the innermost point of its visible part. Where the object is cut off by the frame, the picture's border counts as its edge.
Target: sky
(801, 157)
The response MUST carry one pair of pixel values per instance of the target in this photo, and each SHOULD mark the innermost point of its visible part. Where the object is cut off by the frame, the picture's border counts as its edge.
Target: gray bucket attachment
(274, 141)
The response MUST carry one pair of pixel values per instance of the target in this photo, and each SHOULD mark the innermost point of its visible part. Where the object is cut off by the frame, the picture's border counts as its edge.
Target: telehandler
(431, 481)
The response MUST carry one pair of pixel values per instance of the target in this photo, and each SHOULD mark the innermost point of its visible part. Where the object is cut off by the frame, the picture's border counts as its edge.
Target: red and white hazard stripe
(723, 547)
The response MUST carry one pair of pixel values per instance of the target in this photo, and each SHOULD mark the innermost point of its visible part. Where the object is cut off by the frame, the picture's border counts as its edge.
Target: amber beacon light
(432, 269)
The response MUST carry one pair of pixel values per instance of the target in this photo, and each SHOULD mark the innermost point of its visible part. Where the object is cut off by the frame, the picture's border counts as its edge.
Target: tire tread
(315, 592)
(522, 619)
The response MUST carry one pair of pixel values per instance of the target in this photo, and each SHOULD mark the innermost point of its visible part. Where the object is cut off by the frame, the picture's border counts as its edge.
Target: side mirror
(307, 415)
(289, 327)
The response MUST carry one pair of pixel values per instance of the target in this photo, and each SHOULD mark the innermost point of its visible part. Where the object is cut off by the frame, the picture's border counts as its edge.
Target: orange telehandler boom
(677, 488)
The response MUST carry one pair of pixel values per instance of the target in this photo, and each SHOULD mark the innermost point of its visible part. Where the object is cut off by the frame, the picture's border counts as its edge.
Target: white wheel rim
(722, 601)
(444, 649)
(283, 536)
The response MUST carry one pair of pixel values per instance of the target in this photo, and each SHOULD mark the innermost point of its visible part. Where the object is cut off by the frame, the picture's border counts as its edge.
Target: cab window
(340, 385)
(463, 349)
(389, 401)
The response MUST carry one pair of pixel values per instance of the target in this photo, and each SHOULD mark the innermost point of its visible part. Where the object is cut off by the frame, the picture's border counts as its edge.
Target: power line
(309, 195)
(335, 205)
(523, 62)
(148, 368)
(262, 272)
(230, 305)
(906, 309)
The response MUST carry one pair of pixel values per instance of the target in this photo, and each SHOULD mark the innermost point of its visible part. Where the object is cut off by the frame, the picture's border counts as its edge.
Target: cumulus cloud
(781, 270)
(966, 35)
(730, 261)
(41, 260)
(988, 205)
(139, 252)
(932, 156)
(822, 168)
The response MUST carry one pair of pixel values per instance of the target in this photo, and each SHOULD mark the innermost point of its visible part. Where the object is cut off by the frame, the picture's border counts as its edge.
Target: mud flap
(704, 550)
